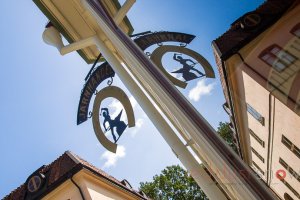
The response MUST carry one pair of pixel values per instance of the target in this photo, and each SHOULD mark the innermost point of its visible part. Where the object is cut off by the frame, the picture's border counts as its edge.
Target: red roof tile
(237, 37)
(60, 170)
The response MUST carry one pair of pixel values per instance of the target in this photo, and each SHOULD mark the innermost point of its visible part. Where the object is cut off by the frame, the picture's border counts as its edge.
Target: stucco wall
(251, 81)
(93, 188)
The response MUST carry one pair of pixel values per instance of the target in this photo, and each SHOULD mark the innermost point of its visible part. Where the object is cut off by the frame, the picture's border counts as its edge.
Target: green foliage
(173, 183)
(226, 133)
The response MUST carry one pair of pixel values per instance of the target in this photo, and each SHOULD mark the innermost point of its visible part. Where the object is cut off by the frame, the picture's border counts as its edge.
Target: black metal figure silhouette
(186, 68)
(113, 123)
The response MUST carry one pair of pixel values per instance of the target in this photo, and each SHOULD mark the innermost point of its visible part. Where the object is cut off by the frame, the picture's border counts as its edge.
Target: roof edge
(226, 50)
(58, 26)
(126, 20)
(72, 156)
(61, 29)
(216, 48)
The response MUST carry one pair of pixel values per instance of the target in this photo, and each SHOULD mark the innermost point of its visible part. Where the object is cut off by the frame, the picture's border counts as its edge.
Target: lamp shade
(52, 37)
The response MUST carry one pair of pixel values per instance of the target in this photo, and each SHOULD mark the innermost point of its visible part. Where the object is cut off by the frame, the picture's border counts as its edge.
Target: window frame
(295, 29)
(260, 141)
(258, 168)
(254, 113)
(258, 155)
(289, 186)
(290, 146)
(286, 196)
(290, 169)
(277, 59)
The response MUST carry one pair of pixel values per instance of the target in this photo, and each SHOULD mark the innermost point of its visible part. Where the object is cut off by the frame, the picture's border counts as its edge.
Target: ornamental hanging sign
(158, 38)
(193, 65)
(102, 73)
(104, 123)
(187, 70)
(115, 126)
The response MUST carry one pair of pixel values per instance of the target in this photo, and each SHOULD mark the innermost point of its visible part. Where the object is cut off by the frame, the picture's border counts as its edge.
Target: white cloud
(200, 90)
(116, 107)
(111, 158)
(138, 125)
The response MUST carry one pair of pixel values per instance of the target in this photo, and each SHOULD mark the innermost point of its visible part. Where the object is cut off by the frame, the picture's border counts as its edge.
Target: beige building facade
(258, 62)
(70, 177)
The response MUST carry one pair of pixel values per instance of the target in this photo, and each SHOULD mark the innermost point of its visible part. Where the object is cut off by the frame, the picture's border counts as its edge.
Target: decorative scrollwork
(109, 82)
(92, 69)
(140, 34)
(90, 114)
(99, 75)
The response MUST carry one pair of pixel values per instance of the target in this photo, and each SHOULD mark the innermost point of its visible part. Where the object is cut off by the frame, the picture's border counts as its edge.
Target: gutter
(112, 182)
(80, 191)
(271, 122)
(229, 97)
(232, 111)
(270, 113)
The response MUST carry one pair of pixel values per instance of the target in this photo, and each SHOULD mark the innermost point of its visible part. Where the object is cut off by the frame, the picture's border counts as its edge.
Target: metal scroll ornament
(102, 73)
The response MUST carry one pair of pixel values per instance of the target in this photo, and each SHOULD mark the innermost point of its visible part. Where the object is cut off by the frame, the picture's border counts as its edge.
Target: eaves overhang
(69, 19)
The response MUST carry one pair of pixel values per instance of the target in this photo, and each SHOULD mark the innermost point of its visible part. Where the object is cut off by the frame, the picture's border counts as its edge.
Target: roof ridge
(46, 168)
(73, 156)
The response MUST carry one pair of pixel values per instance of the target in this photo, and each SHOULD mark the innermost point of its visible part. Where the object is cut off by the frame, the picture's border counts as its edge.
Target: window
(255, 114)
(287, 197)
(258, 168)
(260, 141)
(277, 57)
(289, 187)
(296, 30)
(287, 167)
(290, 146)
(258, 155)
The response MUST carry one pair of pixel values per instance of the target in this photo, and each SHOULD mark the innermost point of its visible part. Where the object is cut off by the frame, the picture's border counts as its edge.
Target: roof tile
(237, 37)
(60, 169)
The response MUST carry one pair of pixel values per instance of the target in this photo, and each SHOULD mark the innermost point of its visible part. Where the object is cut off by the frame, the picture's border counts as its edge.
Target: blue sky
(40, 91)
